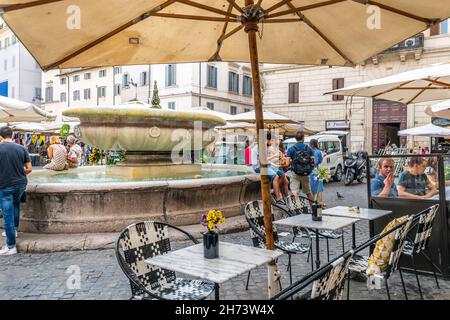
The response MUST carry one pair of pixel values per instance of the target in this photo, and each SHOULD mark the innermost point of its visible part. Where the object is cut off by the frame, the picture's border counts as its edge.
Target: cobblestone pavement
(45, 276)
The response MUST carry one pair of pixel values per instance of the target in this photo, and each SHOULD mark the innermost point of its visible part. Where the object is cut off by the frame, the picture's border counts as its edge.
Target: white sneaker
(5, 251)
(4, 234)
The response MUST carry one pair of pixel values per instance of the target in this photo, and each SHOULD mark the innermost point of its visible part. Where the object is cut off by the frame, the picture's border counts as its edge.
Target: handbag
(23, 198)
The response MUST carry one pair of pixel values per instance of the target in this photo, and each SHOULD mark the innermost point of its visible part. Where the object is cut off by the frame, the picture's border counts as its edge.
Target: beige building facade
(298, 92)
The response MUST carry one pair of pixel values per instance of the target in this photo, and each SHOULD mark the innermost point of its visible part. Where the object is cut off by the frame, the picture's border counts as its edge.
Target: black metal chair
(420, 243)
(296, 205)
(359, 264)
(328, 282)
(147, 239)
(255, 217)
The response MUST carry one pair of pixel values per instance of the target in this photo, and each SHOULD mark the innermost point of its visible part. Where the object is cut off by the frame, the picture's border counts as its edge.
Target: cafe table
(233, 260)
(364, 214)
(327, 223)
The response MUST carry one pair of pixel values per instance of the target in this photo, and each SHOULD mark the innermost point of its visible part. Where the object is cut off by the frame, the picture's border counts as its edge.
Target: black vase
(316, 212)
(211, 245)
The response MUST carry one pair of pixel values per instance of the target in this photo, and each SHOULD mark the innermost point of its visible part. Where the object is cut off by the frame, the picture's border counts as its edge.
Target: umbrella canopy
(270, 118)
(85, 33)
(426, 84)
(429, 130)
(12, 110)
(440, 110)
(223, 115)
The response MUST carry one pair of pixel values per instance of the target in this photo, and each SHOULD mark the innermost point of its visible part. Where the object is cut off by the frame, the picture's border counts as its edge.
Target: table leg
(354, 235)
(317, 250)
(216, 291)
(371, 235)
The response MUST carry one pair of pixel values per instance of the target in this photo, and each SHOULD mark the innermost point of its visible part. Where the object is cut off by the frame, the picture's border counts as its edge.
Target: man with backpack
(301, 159)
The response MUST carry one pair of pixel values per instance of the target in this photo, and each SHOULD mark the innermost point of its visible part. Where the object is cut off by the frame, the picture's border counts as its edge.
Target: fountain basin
(62, 203)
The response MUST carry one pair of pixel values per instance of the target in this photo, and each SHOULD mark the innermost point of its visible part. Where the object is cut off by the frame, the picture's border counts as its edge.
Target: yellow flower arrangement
(212, 219)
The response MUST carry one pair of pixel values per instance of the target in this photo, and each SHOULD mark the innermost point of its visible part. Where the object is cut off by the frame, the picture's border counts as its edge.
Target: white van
(332, 149)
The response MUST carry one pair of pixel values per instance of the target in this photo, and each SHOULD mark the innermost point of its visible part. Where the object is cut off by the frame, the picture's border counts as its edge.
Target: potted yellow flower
(211, 238)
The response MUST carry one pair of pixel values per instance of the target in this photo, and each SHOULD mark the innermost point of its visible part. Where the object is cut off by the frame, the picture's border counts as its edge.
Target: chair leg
(403, 284)
(312, 260)
(248, 279)
(290, 269)
(343, 243)
(387, 288)
(430, 261)
(417, 276)
(348, 286)
(328, 250)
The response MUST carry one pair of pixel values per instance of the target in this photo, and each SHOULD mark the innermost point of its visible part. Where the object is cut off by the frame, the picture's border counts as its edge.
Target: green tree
(155, 98)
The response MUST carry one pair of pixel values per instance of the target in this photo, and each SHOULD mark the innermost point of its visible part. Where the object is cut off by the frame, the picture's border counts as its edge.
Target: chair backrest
(399, 243)
(298, 205)
(330, 286)
(254, 212)
(141, 241)
(424, 228)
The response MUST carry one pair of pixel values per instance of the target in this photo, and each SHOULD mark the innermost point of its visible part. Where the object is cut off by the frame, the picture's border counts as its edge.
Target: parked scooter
(355, 167)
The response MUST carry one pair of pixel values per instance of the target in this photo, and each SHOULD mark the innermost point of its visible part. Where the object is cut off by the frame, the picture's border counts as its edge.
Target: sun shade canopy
(421, 85)
(86, 33)
(12, 110)
(429, 130)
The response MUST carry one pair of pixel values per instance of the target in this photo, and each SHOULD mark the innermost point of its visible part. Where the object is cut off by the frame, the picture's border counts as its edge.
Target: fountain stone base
(139, 165)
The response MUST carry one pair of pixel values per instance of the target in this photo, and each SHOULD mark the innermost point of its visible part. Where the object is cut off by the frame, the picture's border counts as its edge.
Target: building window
(13, 39)
(117, 89)
(233, 82)
(171, 105)
(37, 93)
(14, 61)
(293, 92)
(7, 42)
(143, 81)
(338, 84)
(126, 80)
(87, 94)
(117, 70)
(76, 78)
(1, 45)
(62, 97)
(171, 75)
(210, 105)
(5, 65)
(13, 92)
(102, 92)
(233, 110)
(439, 28)
(247, 89)
(212, 77)
(247, 110)
(102, 73)
(62, 81)
(87, 76)
(76, 95)
(49, 94)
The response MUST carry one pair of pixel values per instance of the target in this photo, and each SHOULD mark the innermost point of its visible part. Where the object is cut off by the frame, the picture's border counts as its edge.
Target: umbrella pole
(251, 27)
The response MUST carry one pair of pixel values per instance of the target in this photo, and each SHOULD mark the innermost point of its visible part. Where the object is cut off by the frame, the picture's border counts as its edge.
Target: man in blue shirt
(297, 180)
(383, 185)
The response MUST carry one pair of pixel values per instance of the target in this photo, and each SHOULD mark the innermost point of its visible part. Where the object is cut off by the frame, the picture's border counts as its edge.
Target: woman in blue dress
(316, 184)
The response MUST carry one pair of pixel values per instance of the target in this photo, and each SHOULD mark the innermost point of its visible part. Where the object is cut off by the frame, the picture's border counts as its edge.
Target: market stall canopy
(440, 110)
(85, 33)
(429, 130)
(270, 118)
(51, 128)
(287, 129)
(421, 85)
(223, 115)
(12, 110)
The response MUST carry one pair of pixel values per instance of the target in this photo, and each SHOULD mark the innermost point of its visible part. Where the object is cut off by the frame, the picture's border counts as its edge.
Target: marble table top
(233, 260)
(365, 214)
(327, 223)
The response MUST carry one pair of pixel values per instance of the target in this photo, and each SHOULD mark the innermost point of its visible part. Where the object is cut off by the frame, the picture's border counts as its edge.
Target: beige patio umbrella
(439, 110)
(83, 33)
(13, 110)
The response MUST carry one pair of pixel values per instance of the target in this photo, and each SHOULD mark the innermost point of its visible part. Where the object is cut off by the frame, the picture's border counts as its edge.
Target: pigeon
(340, 196)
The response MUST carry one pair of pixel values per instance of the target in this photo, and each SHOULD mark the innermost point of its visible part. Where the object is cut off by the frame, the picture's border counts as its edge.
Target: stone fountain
(148, 185)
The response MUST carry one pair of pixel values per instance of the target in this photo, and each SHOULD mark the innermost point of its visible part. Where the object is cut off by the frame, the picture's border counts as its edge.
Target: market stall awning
(270, 118)
(12, 110)
(429, 130)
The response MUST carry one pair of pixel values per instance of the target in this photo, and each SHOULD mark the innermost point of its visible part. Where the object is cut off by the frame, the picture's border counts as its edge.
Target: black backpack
(302, 163)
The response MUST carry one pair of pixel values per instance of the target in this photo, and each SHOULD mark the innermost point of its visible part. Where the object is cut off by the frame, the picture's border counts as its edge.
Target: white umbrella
(421, 85)
(28, 127)
(269, 118)
(429, 130)
(440, 110)
(12, 110)
(204, 110)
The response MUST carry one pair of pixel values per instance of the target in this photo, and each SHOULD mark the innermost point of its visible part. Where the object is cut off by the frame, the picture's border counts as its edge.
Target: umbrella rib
(233, 3)
(19, 6)
(320, 33)
(277, 5)
(140, 18)
(304, 8)
(439, 83)
(207, 8)
(392, 89)
(192, 17)
(416, 96)
(402, 13)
